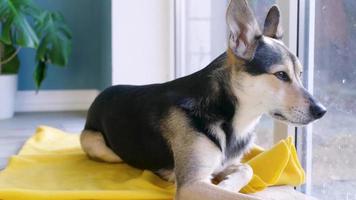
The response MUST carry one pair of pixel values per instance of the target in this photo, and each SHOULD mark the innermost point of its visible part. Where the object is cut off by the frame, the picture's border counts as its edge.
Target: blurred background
(142, 42)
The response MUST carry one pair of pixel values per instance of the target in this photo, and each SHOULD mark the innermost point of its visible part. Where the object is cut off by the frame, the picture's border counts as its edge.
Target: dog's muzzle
(317, 110)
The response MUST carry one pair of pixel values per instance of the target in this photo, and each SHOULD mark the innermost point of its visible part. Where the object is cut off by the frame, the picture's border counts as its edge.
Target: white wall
(141, 41)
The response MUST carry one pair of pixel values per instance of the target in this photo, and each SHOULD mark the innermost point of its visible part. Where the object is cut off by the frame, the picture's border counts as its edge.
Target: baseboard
(54, 100)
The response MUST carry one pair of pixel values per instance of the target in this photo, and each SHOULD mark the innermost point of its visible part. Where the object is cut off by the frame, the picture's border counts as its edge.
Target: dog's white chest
(233, 143)
(245, 123)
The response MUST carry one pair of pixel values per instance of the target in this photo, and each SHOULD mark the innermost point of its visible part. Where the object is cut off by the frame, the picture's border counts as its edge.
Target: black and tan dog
(194, 129)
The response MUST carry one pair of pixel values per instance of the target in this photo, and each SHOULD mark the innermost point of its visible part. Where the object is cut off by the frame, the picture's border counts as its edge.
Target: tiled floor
(15, 131)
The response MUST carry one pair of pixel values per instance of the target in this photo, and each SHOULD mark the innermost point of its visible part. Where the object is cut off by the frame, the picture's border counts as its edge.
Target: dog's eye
(282, 76)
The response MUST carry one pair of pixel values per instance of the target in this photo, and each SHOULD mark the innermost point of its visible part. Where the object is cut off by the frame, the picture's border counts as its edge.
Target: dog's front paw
(235, 177)
(245, 170)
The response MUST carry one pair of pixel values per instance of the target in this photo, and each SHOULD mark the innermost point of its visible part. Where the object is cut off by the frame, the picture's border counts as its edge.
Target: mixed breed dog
(195, 129)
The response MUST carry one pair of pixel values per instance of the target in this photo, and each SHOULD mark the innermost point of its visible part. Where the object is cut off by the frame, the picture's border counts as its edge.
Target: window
(334, 137)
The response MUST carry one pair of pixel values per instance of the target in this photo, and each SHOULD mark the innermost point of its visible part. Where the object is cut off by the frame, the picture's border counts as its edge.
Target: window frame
(305, 52)
(179, 20)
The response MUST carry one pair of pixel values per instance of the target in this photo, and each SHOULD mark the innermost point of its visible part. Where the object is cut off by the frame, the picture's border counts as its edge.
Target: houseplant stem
(1, 55)
(3, 62)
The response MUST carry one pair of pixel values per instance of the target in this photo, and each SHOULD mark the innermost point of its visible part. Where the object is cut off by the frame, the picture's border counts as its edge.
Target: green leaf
(55, 45)
(50, 35)
(6, 33)
(40, 74)
(16, 24)
(12, 67)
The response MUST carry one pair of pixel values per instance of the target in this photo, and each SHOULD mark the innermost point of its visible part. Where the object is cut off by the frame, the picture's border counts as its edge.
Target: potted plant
(25, 25)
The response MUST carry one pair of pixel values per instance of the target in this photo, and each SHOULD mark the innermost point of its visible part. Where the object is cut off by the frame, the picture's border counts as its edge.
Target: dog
(194, 130)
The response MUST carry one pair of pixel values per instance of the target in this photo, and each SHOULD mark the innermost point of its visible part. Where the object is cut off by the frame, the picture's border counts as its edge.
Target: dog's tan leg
(208, 191)
(93, 144)
(235, 177)
(196, 158)
(194, 166)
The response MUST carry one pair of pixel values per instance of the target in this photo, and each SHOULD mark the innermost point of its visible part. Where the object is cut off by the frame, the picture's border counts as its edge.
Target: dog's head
(267, 75)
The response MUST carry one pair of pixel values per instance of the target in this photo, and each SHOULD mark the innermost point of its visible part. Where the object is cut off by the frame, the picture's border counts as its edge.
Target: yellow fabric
(51, 165)
(277, 166)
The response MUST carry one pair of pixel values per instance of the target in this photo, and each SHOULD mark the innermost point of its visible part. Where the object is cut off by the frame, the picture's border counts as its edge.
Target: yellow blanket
(51, 165)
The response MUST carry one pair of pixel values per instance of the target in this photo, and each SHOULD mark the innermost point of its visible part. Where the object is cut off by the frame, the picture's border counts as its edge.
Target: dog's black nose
(317, 110)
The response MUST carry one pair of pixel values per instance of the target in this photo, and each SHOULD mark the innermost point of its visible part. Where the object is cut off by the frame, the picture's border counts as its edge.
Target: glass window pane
(334, 137)
(205, 33)
(264, 132)
(261, 8)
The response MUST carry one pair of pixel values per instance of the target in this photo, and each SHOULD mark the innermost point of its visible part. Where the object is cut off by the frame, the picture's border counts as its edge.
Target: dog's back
(130, 117)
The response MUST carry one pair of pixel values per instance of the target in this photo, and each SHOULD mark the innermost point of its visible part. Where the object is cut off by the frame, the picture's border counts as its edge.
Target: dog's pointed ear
(243, 28)
(273, 25)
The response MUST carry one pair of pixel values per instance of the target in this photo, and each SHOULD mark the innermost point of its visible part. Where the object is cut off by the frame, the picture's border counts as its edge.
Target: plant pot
(8, 88)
